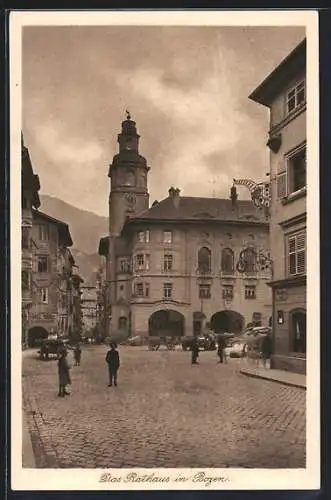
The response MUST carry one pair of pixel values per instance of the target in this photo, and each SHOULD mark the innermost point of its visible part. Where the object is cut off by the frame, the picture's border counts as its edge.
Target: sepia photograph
(163, 171)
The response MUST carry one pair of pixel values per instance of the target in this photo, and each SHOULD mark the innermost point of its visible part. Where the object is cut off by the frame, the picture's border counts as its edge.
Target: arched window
(204, 260)
(298, 330)
(227, 261)
(250, 260)
(122, 323)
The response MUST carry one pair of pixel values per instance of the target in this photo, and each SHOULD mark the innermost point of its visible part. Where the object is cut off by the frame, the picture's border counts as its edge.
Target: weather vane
(128, 115)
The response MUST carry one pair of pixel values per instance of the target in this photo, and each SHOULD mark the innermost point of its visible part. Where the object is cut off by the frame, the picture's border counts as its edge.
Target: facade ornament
(263, 261)
(260, 192)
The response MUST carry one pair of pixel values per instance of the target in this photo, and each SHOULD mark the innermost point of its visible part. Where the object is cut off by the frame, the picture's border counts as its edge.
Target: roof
(63, 227)
(30, 181)
(193, 209)
(281, 75)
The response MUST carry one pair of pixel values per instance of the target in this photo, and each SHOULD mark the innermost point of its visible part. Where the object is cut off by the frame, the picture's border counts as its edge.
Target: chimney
(174, 193)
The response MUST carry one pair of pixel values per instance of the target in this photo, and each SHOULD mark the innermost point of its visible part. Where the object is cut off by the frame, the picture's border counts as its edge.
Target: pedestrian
(64, 374)
(113, 361)
(220, 348)
(266, 349)
(195, 351)
(77, 355)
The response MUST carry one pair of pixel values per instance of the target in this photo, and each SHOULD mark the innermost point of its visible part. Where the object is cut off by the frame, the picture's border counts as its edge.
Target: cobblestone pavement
(165, 412)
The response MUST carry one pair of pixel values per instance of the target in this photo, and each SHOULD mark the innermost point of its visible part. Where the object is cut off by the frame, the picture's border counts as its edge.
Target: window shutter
(281, 179)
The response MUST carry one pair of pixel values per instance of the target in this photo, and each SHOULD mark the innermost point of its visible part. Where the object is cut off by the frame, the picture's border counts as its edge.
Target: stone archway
(166, 323)
(36, 334)
(227, 321)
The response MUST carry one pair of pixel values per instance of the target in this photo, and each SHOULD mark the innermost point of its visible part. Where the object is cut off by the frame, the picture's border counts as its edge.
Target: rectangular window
(140, 261)
(296, 97)
(43, 232)
(296, 170)
(25, 280)
(146, 289)
(42, 264)
(124, 266)
(204, 292)
(167, 262)
(167, 237)
(167, 290)
(296, 253)
(147, 235)
(25, 237)
(250, 292)
(44, 295)
(147, 261)
(139, 289)
(141, 236)
(228, 292)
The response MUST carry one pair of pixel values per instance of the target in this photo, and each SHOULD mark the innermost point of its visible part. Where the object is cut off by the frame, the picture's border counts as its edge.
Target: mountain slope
(86, 229)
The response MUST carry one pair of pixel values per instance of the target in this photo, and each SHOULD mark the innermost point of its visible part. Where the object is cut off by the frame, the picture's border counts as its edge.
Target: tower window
(167, 290)
(167, 237)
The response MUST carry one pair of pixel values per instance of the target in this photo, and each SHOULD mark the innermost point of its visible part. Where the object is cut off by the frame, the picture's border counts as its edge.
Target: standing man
(266, 349)
(220, 348)
(77, 354)
(113, 361)
(195, 351)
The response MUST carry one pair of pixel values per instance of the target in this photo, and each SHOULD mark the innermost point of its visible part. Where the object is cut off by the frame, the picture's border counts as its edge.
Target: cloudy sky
(186, 87)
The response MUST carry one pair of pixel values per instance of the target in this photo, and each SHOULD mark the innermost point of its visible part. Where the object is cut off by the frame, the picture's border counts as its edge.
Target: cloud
(187, 90)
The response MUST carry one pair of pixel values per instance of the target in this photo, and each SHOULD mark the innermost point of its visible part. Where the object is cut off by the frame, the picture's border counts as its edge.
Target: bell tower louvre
(128, 178)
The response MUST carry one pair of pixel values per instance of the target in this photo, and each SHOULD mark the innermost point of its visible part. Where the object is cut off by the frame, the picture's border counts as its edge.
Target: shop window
(204, 260)
(298, 330)
(167, 290)
(296, 253)
(204, 291)
(250, 292)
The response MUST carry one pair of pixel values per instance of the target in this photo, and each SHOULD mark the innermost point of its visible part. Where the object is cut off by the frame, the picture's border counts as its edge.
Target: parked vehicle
(52, 347)
(135, 341)
(235, 347)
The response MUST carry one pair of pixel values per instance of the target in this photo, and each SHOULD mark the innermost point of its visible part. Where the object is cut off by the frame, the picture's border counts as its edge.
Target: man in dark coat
(77, 354)
(221, 347)
(64, 375)
(195, 351)
(113, 361)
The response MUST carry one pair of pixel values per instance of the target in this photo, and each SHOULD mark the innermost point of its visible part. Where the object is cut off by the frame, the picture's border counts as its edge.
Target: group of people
(264, 348)
(112, 360)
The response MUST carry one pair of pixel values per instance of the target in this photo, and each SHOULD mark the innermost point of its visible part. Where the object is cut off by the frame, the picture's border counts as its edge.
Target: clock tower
(128, 179)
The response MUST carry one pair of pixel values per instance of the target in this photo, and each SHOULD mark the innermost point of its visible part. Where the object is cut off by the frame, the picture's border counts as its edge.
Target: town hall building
(171, 268)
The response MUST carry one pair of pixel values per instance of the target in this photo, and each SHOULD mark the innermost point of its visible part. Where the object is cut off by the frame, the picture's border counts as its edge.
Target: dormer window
(296, 97)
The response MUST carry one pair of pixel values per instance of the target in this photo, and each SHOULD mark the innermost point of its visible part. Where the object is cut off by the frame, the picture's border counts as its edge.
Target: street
(165, 412)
